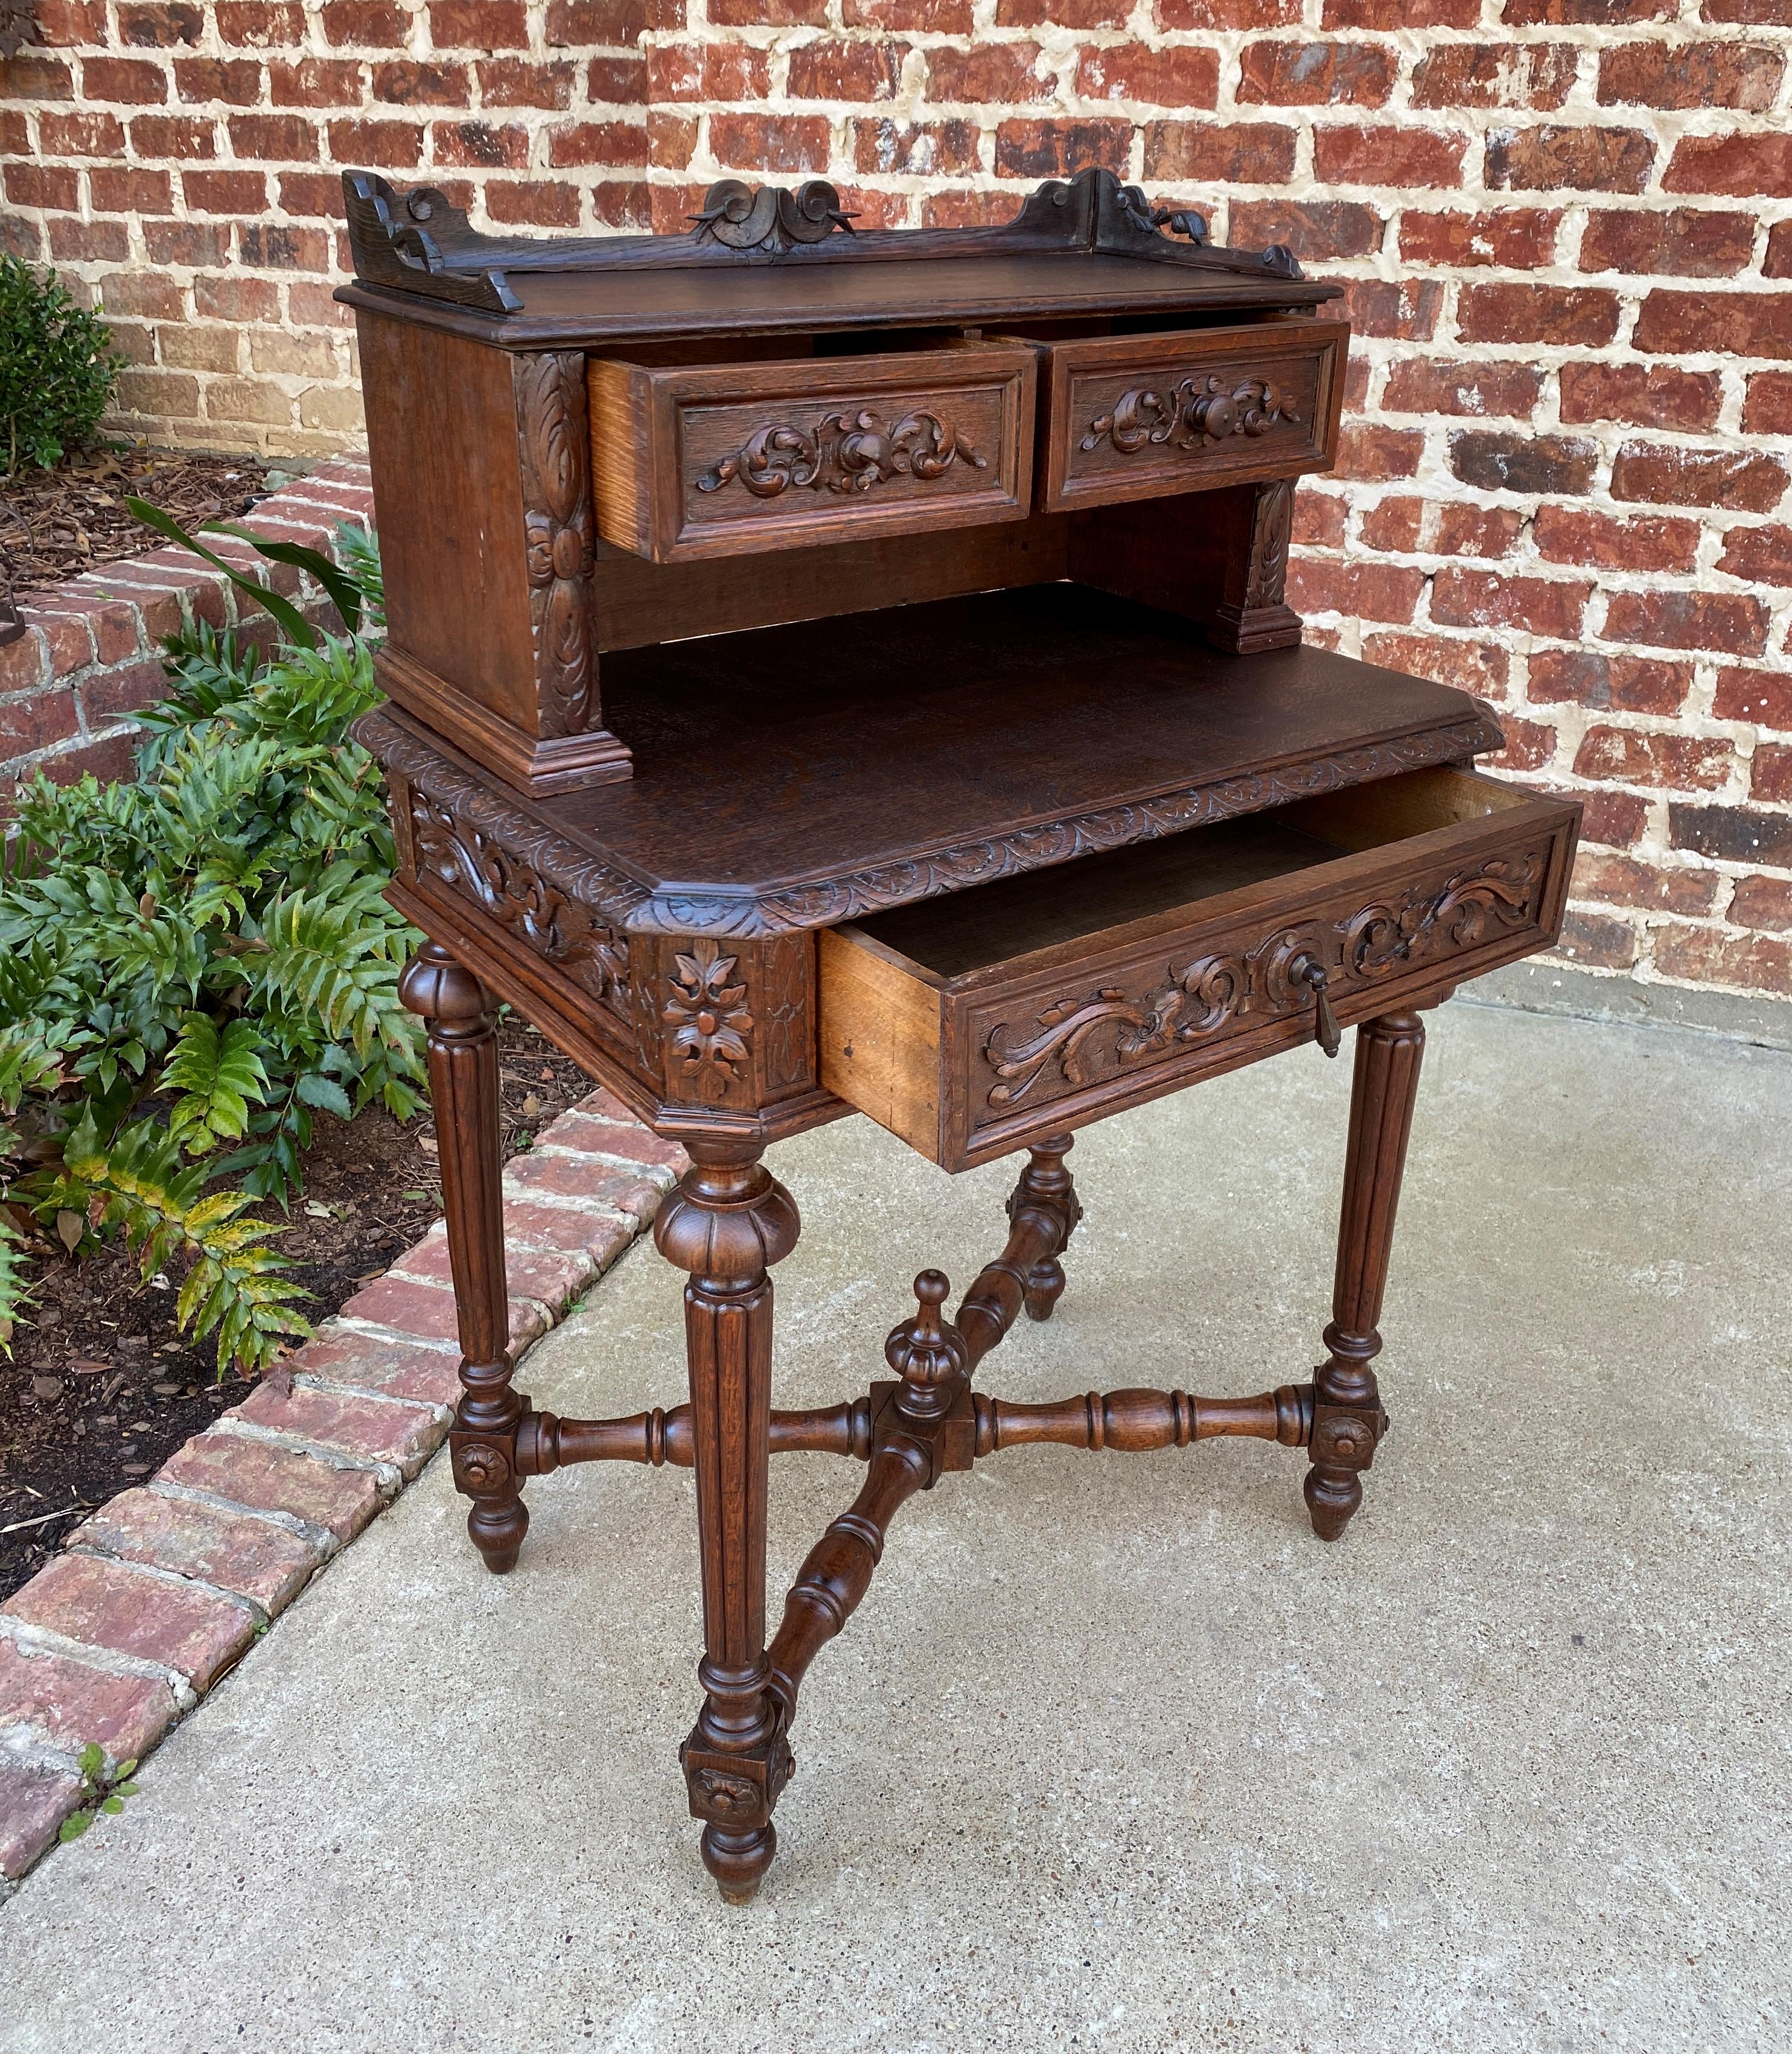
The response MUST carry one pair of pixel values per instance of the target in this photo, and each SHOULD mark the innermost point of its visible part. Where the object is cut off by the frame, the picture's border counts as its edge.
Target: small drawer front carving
(968, 1066)
(1136, 417)
(723, 460)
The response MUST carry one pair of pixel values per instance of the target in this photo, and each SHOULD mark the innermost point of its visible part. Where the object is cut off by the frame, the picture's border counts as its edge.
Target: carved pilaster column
(1348, 1420)
(1252, 614)
(462, 1020)
(725, 1225)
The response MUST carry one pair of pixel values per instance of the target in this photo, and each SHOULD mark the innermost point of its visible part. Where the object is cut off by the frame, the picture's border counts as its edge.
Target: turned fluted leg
(725, 1225)
(1348, 1420)
(462, 1020)
(1045, 1182)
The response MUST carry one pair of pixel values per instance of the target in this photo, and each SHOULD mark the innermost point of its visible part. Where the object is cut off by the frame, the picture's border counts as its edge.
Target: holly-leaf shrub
(57, 369)
(195, 963)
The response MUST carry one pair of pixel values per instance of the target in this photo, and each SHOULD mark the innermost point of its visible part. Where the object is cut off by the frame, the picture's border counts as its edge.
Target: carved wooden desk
(834, 672)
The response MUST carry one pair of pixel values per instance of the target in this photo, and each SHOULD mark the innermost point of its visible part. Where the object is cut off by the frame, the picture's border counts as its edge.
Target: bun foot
(497, 1533)
(1332, 1495)
(739, 1860)
(1045, 1286)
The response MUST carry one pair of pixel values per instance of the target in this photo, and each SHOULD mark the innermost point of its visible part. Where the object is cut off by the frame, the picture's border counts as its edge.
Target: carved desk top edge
(526, 837)
(418, 241)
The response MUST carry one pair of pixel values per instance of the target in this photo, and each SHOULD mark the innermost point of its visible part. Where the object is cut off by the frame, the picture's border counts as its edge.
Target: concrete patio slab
(1115, 1757)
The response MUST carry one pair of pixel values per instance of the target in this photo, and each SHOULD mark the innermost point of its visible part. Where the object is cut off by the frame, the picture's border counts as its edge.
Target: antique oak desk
(835, 670)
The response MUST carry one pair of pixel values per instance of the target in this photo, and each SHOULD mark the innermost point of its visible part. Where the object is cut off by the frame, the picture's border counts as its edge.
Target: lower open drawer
(969, 1024)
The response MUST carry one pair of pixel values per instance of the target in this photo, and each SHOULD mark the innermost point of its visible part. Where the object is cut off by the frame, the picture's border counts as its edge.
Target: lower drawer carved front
(1236, 943)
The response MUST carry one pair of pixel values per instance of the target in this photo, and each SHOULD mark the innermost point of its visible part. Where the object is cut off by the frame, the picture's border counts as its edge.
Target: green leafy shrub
(193, 964)
(57, 368)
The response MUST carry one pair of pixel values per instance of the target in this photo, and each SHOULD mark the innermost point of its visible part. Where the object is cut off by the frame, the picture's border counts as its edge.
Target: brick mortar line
(30, 1763)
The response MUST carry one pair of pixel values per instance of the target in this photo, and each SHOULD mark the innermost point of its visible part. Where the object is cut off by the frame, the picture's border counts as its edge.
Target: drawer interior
(998, 928)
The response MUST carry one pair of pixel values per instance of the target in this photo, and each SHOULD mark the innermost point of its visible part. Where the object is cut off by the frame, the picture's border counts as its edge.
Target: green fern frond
(219, 1076)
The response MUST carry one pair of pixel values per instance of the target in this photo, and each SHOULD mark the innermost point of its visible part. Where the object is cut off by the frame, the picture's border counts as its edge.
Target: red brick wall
(1566, 226)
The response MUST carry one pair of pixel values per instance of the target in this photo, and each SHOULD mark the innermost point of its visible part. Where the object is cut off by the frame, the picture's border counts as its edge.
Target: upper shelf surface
(791, 776)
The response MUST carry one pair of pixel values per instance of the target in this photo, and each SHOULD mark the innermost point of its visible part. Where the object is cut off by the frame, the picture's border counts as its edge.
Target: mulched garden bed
(56, 524)
(100, 1389)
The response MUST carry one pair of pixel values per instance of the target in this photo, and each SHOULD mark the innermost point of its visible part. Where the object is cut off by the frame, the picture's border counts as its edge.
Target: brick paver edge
(161, 1592)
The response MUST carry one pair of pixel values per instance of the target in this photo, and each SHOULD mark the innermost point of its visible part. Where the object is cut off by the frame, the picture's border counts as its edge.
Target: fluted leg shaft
(1348, 1420)
(461, 1018)
(727, 1224)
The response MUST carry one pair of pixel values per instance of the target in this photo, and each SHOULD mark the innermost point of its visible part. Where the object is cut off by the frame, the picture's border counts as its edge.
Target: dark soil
(56, 524)
(100, 1389)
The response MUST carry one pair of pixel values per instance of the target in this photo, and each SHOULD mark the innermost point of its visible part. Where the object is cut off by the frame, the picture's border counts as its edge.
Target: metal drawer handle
(1326, 1030)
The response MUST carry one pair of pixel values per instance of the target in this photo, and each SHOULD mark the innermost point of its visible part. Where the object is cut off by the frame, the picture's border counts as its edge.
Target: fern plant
(196, 962)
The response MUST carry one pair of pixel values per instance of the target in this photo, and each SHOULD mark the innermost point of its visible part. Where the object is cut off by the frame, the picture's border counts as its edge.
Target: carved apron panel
(1029, 1050)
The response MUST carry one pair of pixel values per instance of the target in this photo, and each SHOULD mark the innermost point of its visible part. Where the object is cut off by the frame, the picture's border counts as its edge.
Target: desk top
(795, 776)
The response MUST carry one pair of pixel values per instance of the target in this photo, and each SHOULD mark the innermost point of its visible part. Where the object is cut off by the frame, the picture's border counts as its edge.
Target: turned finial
(927, 1352)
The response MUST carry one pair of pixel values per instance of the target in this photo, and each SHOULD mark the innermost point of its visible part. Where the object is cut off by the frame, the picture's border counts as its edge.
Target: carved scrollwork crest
(769, 219)
(1196, 413)
(845, 452)
(712, 1030)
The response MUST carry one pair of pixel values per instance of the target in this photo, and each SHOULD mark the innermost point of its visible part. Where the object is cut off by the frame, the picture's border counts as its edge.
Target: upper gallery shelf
(794, 262)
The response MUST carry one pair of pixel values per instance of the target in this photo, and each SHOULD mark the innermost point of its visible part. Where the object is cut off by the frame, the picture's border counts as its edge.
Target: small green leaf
(111, 1805)
(92, 1759)
(125, 1768)
(124, 1789)
(75, 1825)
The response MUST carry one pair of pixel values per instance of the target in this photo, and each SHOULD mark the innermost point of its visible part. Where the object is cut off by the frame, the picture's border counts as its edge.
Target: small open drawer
(719, 460)
(1136, 417)
(970, 1024)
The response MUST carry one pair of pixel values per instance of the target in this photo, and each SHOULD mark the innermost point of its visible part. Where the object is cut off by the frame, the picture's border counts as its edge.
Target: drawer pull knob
(1326, 1030)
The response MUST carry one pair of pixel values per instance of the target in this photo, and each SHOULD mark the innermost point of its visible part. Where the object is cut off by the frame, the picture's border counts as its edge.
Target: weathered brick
(1403, 309)
(1065, 13)
(1656, 395)
(1621, 880)
(1598, 940)
(1181, 76)
(356, 1361)
(406, 1435)
(1391, 155)
(1399, 13)
(1539, 75)
(1480, 667)
(1745, 75)
(546, 1174)
(1706, 955)
(1515, 239)
(478, 25)
(1367, 451)
(1556, 314)
(1361, 590)
(1612, 684)
(237, 81)
(1214, 152)
(1678, 241)
(1751, 166)
(1529, 744)
(1044, 149)
(1742, 324)
(1731, 623)
(1314, 230)
(74, 1705)
(128, 81)
(1555, 157)
(267, 1477)
(1761, 902)
(1763, 697)
(1304, 74)
(1489, 599)
(1437, 385)
(1634, 756)
(1669, 475)
(1770, 775)
(1580, 535)
(1617, 819)
(929, 149)
(1227, 13)
(33, 1803)
(1392, 525)
(845, 71)
(234, 1550)
(1498, 462)
(113, 1605)
(601, 1124)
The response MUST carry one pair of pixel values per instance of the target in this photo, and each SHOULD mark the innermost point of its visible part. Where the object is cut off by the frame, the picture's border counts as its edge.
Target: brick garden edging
(88, 659)
(160, 1592)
